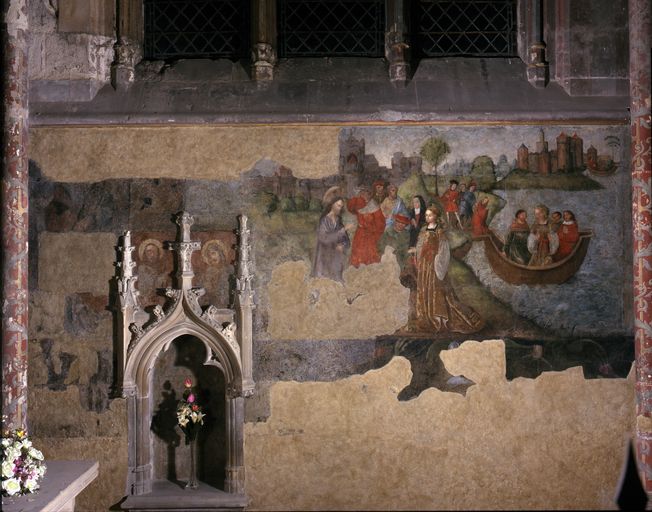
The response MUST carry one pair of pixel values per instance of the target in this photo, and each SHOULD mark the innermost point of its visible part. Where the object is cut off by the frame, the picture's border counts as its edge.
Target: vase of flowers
(22, 464)
(190, 418)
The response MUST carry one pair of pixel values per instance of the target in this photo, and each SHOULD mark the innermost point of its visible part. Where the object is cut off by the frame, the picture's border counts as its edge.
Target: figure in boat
(536, 254)
(542, 242)
(556, 221)
(568, 235)
(515, 247)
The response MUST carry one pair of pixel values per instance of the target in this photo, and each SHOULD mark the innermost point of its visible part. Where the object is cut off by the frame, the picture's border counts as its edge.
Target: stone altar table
(63, 481)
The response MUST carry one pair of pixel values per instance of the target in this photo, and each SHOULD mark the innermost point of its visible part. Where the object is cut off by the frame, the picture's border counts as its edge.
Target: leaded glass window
(331, 28)
(473, 28)
(196, 28)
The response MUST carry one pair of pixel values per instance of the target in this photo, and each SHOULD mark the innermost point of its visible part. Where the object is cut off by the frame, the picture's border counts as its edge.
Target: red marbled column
(14, 214)
(639, 79)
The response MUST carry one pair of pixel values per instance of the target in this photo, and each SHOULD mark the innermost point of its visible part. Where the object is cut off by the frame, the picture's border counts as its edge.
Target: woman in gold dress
(437, 307)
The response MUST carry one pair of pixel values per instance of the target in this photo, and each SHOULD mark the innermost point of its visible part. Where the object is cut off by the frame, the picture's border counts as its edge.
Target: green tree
(434, 151)
(483, 172)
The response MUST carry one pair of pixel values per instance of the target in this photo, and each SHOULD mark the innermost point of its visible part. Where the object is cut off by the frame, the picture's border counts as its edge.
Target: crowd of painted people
(417, 236)
(549, 239)
(463, 209)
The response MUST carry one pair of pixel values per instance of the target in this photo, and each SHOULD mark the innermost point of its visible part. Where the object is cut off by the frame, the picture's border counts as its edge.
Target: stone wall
(71, 49)
(449, 428)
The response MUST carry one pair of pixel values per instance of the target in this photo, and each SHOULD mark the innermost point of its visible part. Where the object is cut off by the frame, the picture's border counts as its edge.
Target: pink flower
(191, 398)
(188, 382)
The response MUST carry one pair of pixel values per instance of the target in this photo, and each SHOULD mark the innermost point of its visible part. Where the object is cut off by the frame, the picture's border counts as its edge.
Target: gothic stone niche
(157, 350)
(184, 358)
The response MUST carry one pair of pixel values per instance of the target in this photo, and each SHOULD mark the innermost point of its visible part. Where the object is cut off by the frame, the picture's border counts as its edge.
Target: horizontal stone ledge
(64, 480)
(377, 118)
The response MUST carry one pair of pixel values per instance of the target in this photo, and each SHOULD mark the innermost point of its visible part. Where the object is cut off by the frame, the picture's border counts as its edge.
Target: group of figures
(418, 237)
(549, 239)
(462, 208)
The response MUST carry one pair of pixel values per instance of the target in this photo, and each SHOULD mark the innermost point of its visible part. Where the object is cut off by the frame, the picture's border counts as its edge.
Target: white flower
(7, 469)
(35, 454)
(183, 422)
(26, 443)
(40, 470)
(197, 417)
(12, 453)
(11, 486)
(31, 484)
(6, 441)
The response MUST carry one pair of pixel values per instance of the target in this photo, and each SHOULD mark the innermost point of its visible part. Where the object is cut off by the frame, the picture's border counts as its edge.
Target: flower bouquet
(190, 418)
(22, 464)
(189, 415)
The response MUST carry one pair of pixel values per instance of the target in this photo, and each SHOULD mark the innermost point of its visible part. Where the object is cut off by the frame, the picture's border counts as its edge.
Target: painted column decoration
(15, 202)
(639, 80)
(263, 49)
(537, 67)
(396, 45)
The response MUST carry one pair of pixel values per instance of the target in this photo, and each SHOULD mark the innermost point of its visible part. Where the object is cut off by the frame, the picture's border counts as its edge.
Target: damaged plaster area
(190, 152)
(557, 441)
(302, 307)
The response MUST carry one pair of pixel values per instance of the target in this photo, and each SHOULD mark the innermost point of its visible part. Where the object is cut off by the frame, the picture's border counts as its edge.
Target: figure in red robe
(568, 236)
(479, 220)
(451, 202)
(371, 225)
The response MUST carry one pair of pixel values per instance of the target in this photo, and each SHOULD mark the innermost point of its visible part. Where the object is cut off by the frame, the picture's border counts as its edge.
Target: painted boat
(515, 273)
(604, 171)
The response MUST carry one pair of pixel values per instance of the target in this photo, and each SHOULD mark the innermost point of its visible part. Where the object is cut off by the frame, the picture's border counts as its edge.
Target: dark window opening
(468, 28)
(316, 28)
(177, 29)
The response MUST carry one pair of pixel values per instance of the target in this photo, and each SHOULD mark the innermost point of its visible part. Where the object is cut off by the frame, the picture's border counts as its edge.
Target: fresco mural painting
(480, 199)
(337, 256)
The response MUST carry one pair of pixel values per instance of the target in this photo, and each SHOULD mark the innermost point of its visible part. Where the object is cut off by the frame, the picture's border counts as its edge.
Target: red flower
(188, 382)
(195, 407)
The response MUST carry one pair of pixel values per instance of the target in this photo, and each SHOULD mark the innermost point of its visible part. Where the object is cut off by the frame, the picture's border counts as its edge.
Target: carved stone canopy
(225, 333)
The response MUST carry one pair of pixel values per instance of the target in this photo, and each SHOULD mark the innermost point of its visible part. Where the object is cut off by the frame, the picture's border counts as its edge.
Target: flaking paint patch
(204, 152)
(76, 262)
(547, 443)
(302, 307)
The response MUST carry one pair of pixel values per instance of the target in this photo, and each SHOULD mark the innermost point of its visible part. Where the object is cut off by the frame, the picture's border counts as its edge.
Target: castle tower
(592, 158)
(577, 151)
(286, 182)
(553, 160)
(544, 162)
(564, 162)
(542, 145)
(522, 157)
(352, 153)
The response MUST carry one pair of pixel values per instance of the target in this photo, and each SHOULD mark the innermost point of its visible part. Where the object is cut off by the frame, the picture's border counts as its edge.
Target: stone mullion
(537, 67)
(263, 39)
(129, 42)
(397, 41)
(639, 76)
(15, 201)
